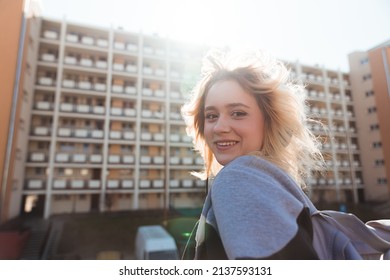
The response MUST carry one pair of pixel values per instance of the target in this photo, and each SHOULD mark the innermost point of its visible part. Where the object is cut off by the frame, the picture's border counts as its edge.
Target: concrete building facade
(99, 125)
(370, 77)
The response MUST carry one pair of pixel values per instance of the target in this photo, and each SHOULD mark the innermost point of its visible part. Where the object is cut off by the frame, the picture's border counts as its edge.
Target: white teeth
(226, 143)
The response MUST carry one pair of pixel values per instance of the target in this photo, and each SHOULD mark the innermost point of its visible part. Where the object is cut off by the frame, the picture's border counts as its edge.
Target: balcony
(146, 160)
(187, 160)
(97, 133)
(81, 133)
(114, 158)
(147, 92)
(34, 184)
(175, 116)
(77, 184)
(129, 135)
(98, 110)
(147, 70)
(159, 72)
(64, 132)
(70, 60)
(148, 50)
(199, 161)
(96, 158)
(187, 183)
(130, 112)
(159, 137)
(118, 67)
(114, 134)
(43, 105)
(158, 160)
(159, 93)
(37, 157)
(186, 139)
(112, 184)
(158, 184)
(175, 75)
(174, 137)
(143, 184)
(146, 136)
(117, 89)
(62, 157)
(79, 158)
(84, 85)
(86, 40)
(127, 184)
(103, 43)
(45, 81)
(48, 57)
(72, 38)
(82, 108)
(100, 87)
(68, 84)
(175, 95)
(41, 131)
(128, 159)
(130, 90)
(131, 68)
(48, 34)
(119, 45)
(93, 184)
(101, 64)
(59, 184)
(200, 183)
(131, 47)
(86, 62)
(116, 111)
(66, 107)
(174, 183)
(174, 160)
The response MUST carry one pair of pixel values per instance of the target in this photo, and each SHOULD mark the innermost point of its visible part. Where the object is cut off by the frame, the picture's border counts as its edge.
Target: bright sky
(313, 32)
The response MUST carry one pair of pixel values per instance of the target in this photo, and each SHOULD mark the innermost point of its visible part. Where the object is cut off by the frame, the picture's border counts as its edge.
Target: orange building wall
(382, 98)
(11, 12)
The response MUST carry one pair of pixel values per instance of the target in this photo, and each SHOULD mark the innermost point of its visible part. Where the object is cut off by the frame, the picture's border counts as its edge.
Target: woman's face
(234, 123)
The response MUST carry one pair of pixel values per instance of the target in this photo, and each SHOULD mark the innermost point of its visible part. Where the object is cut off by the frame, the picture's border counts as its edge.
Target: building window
(379, 162)
(369, 93)
(381, 181)
(364, 61)
(374, 127)
(371, 110)
(21, 124)
(377, 145)
(367, 77)
(39, 171)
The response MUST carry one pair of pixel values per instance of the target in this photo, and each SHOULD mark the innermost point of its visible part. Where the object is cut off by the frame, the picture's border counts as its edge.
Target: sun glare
(199, 21)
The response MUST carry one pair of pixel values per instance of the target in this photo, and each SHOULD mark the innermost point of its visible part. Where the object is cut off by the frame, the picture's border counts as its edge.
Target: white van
(155, 243)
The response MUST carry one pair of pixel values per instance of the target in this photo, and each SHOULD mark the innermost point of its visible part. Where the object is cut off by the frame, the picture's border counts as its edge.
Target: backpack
(343, 236)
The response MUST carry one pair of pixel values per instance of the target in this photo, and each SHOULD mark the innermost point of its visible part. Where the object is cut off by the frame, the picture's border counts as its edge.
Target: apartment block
(105, 130)
(370, 78)
(99, 125)
(330, 102)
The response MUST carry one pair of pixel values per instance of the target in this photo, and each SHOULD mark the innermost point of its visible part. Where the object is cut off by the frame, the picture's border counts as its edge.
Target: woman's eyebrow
(229, 106)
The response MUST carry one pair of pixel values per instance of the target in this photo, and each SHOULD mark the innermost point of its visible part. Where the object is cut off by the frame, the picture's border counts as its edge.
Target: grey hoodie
(252, 212)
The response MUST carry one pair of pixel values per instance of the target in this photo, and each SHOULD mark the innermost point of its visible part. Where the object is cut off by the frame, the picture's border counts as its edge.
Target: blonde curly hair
(288, 141)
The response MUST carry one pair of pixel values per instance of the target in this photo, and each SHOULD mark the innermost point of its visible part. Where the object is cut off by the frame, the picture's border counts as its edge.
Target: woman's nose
(221, 125)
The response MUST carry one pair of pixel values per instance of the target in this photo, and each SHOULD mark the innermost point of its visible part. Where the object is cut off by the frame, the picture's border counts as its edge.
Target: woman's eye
(238, 114)
(211, 116)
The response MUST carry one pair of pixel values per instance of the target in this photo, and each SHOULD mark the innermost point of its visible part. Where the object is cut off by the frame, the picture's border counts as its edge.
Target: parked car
(155, 243)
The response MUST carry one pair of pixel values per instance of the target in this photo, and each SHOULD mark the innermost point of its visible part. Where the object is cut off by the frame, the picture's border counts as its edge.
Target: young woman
(247, 119)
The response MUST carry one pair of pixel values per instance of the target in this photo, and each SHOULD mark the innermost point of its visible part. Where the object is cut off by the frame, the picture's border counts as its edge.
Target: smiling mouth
(225, 144)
